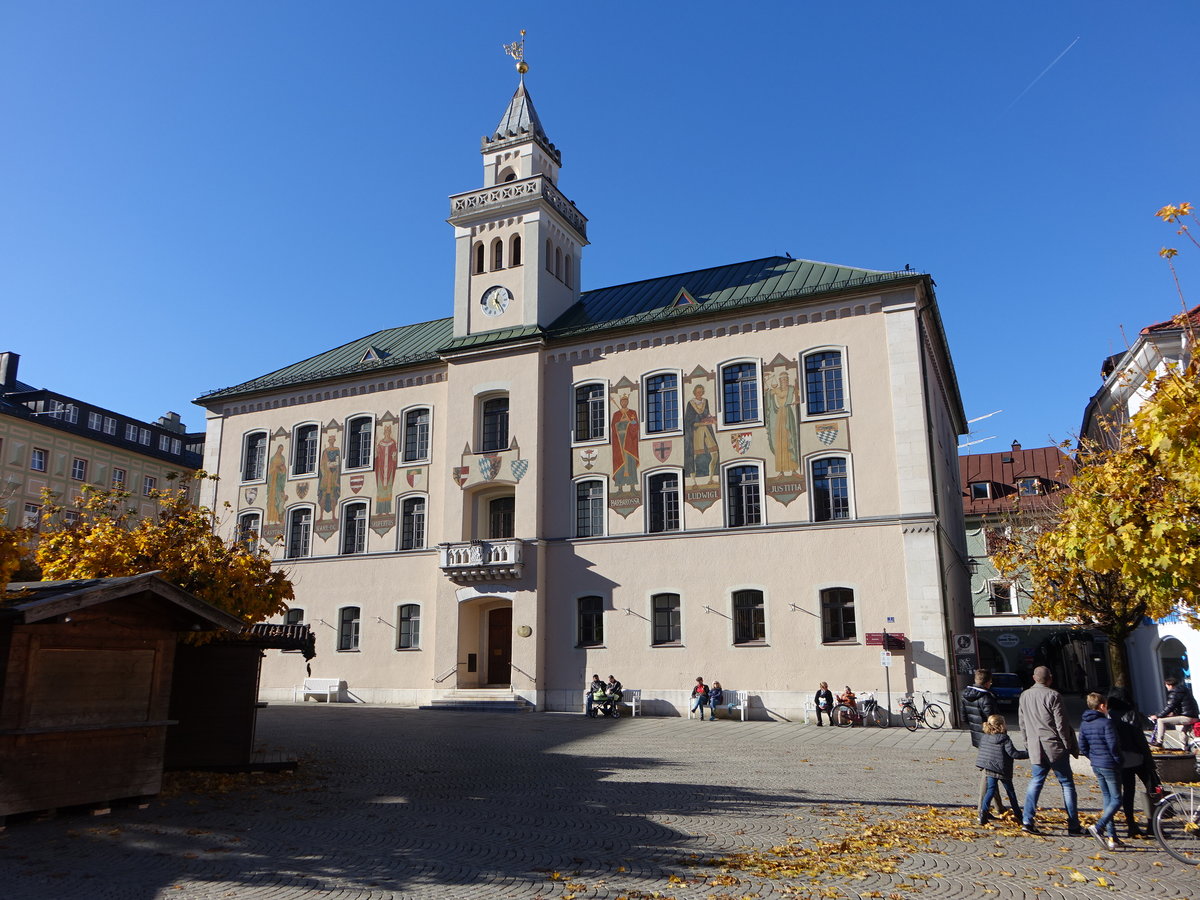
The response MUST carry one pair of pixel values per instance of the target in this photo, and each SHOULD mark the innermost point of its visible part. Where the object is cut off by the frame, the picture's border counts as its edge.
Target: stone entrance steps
(501, 700)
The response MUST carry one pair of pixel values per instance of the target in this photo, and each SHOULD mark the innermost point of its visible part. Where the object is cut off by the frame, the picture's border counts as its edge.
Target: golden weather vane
(517, 51)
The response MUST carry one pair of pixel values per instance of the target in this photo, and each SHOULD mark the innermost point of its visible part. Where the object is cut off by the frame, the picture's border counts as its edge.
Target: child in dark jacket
(1100, 743)
(996, 755)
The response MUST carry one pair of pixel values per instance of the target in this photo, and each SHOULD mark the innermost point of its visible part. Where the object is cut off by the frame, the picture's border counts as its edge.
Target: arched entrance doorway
(1173, 660)
(485, 641)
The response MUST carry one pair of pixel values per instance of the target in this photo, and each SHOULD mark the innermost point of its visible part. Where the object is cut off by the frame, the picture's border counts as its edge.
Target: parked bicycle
(1176, 825)
(930, 714)
(868, 712)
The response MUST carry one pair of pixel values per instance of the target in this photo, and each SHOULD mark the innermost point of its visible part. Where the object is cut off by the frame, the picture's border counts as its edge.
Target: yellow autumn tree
(12, 549)
(110, 539)
(1126, 544)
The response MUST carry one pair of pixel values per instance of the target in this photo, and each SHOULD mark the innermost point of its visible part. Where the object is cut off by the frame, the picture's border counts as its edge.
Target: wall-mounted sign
(1007, 640)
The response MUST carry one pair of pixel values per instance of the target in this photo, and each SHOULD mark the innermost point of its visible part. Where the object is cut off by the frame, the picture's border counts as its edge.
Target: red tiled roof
(1003, 470)
(1192, 316)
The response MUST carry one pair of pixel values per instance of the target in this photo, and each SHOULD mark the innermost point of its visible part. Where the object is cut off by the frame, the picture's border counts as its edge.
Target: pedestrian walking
(995, 761)
(977, 704)
(1137, 763)
(1051, 744)
(699, 697)
(823, 701)
(716, 697)
(1099, 742)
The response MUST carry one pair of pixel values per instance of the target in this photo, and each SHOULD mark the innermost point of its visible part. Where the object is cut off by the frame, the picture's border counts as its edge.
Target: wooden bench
(328, 688)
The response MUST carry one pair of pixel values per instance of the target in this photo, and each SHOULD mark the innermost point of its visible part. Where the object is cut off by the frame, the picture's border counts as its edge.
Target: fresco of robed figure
(329, 487)
(783, 432)
(700, 454)
(624, 435)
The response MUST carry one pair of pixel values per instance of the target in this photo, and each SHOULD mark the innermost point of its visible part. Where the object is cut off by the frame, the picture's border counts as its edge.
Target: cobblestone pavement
(393, 803)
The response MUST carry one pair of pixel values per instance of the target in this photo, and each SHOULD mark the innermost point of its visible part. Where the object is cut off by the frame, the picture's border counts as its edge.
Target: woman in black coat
(1138, 762)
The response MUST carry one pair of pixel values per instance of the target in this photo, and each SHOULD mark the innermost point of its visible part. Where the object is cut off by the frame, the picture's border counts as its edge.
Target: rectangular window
(501, 513)
(254, 456)
(71, 413)
(749, 617)
(304, 458)
(662, 403)
(71, 518)
(1029, 487)
(412, 524)
(37, 459)
(408, 634)
(663, 507)
(95, 421)
(589, 508)
(79, 469)
(144, 436)
(589, 412)
(110, 425)
(118, 479)
(823, 375)
(354, 528)
(131, 433)
(591, 621)
(740, 386)
(1001, 597)
(176, 446)
(416, 435)
(837, 615)
(164, 442)
(981, 490)
(348, 628)
(32, 516)
(249, 528)
(494, 435)
(666, 619)
(743, 497)
(149, 483)
(294, 616)
(358, 452)
(54, 408)
(830, 489)
(299, 533)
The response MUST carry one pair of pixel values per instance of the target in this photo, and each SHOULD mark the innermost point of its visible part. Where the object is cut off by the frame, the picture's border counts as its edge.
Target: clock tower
(518, 239)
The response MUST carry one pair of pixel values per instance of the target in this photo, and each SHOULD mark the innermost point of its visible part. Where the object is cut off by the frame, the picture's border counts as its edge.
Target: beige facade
(737, 473)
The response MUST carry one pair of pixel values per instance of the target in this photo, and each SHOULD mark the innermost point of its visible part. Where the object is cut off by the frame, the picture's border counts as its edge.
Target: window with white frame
(837, 615)
(249, 527)
(981, 490)
(412, 523)
(32, 517)
(71, 517)
(305, 444)
(71, 413)
(590, 419)
(1002, 597)
(589, 508)
(830, 489)
(110, 425)
(131, 432)
(79, 469)
(348, 625)
(666, 619)
(824, 388)
(591, 622)
(37, 459)
(95, 421)
(662, 403)
(149, 484)
(416, 434)
(408, 627)
(164, 442)
(743, 496)
(254, 456)
(662, 504)
(494, 424)
(358, 447)
(144, 436)
(739, 393)
(354, 528)
(299, 533)
(119, 478)
(176, 446)
(1029, 487)
(749, 617)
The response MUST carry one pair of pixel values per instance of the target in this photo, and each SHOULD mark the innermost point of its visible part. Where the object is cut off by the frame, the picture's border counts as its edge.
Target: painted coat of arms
(588, 456)
(251, 494)
(302, 490)
(489, 466)
(519, 468)
(356, 483)
(827, 434)
(460, 474)
(662, 450)
(741, 442)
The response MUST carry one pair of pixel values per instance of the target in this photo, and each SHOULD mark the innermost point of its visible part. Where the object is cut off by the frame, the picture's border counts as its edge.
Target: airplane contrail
(1029, 86)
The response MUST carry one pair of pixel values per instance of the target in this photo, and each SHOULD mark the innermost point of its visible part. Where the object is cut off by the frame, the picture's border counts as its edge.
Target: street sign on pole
(885, 659)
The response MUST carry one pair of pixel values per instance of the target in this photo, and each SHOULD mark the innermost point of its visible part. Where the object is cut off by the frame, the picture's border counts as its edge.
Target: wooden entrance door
(499, 645)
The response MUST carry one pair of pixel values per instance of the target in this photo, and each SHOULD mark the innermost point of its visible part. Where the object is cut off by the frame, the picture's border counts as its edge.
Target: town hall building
(746, 472)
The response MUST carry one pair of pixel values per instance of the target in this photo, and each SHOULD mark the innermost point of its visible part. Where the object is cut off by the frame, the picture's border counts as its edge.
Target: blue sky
(194, 194)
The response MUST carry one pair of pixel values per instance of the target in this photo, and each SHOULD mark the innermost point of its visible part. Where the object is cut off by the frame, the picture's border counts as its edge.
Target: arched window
(662, 403)
(743, 497)
(294, 616)
(497, 254)
(249, 527)
(662, 507)
(749, 617)
(589, 508)
(408, 627)
(509, 174)
(824, 390)
(567, 264)
(589, 412)
(830, 489)
(549, 256)
(348, 622)
(254, 456)
(304, 450)
(514, 254)
(358, 452)
(412, 523)
(354, 528)
(416, 434)
(479, 257)
(299, 532)
(739, 387)
(558, 262)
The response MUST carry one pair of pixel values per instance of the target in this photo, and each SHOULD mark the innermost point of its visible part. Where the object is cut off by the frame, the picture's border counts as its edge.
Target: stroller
(605, 704)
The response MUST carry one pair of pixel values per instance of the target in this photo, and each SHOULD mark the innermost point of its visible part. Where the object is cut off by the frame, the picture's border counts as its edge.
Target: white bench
(631, 696)
(328, 688)
(739, 701)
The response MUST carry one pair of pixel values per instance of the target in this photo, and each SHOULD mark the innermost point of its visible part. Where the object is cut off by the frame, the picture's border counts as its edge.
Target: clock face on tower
(495, 300)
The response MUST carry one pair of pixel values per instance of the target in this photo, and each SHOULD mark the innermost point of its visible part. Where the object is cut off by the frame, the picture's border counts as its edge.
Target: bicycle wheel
(878, 717)
(843, 716)
(1176, 824)
(934, 716)
(909, 717)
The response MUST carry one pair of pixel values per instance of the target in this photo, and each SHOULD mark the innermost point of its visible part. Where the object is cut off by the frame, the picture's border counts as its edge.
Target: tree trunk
(1118, 659)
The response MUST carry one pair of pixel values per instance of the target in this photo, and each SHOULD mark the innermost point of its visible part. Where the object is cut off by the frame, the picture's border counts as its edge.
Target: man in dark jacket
(1180, 709)
(976, 703)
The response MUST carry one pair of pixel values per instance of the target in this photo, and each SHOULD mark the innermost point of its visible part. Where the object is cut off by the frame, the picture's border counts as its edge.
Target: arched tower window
(508, 175)
(478, 257)
(567, 264)
(558, 262)
(497, 254)
(549, 255)
(514, 255)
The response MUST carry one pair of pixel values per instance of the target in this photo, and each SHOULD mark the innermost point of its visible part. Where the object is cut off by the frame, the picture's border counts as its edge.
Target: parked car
(1006, 688)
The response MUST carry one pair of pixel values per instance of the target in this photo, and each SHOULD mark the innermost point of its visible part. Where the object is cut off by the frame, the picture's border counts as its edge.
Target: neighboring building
(1166, 647)
(1000, 491)
(737, 472)
(50, 440)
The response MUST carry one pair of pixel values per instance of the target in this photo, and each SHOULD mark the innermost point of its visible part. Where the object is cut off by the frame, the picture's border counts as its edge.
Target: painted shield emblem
(741, 442)
(489, 467)
(302, 490)
(413, 476)
(662, 450)
(460, 474)
(519, 468)
(356, 483)
(251, 494)
(588, 457)
(827, 434)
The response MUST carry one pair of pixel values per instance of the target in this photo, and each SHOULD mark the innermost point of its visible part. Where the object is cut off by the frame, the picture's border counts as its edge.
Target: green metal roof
(715, 290)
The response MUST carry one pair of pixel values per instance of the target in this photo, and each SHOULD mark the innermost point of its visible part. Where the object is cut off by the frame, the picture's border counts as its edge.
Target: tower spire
(517, 51)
